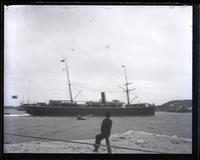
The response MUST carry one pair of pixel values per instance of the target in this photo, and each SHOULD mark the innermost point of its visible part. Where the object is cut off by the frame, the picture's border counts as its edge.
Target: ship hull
(96, 111)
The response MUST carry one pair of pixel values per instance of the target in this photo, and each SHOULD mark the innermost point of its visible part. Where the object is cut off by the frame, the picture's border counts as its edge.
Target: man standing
(105, 133)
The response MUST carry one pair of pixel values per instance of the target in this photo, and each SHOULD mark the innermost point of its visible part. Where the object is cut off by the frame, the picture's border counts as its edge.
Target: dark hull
(96, 111)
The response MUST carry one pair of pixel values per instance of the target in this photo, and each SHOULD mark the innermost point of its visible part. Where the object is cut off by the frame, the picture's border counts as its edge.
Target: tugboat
(72, 108)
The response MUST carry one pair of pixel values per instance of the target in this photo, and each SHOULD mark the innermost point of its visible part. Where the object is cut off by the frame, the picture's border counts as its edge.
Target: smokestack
(103, 97)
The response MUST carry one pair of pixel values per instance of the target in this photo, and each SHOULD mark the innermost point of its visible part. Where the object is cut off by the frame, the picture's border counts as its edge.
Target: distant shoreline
(10, 107)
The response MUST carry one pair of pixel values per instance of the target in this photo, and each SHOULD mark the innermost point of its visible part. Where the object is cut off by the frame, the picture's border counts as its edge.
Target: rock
(175, 136)
(175, 139)
(138, 142)
(122, 137)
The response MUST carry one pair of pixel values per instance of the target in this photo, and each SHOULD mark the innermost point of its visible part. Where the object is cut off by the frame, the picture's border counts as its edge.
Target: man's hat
(108, 114)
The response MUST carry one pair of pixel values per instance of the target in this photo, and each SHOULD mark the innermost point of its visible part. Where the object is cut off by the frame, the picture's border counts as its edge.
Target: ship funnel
(103, 97)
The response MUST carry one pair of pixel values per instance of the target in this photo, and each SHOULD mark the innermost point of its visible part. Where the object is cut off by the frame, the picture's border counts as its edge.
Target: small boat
(80, 118)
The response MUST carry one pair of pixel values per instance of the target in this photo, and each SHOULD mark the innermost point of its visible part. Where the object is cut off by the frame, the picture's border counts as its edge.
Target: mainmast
(126, 84)
(69, 84)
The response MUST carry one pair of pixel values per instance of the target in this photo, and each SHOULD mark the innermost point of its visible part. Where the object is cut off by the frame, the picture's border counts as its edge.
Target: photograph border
(195, 96)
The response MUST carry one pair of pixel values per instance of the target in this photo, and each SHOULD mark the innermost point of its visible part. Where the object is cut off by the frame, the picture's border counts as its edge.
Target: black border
(195, 152)
(195, 81)
(1, 82)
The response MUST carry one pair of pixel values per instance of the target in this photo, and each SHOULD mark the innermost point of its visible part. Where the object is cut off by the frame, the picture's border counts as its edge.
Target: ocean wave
(17, 115)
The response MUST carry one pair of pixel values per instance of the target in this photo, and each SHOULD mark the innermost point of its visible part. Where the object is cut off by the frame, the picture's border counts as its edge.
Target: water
(69, 128)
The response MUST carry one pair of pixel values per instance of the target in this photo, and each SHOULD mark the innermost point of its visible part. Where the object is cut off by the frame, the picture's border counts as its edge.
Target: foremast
(68, 80)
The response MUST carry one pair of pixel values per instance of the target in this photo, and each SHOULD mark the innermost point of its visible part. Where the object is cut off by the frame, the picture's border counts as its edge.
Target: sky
(153, 42)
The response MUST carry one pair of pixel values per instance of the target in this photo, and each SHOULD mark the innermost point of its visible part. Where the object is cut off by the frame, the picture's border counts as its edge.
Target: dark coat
(106, 127)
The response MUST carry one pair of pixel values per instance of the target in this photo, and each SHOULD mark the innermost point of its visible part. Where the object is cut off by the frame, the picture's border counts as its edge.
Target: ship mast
(69, 84)
(126, 84)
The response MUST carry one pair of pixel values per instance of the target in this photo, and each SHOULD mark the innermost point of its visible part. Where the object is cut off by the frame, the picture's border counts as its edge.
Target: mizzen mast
(126, 84)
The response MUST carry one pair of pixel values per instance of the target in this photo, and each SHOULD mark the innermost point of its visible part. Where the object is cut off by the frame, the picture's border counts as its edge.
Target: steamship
(94, 108)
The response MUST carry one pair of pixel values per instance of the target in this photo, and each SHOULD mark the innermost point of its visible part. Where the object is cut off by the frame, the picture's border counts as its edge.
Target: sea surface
(69, 128)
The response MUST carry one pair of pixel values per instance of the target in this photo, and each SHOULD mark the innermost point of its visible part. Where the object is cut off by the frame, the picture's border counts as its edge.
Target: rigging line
(126, 148)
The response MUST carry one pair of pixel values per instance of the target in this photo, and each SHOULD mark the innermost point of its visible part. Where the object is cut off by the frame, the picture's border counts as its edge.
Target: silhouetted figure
(105, 133)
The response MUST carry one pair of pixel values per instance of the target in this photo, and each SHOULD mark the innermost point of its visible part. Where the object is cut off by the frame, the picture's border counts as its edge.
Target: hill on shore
(176, 105)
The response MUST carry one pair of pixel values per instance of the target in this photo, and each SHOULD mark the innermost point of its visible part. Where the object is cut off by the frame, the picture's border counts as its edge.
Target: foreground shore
(149, 142)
